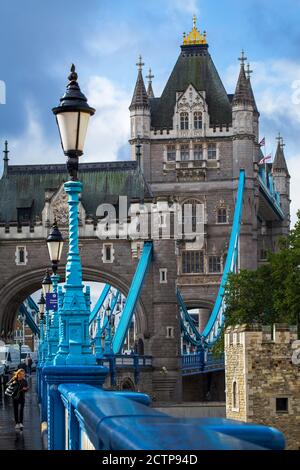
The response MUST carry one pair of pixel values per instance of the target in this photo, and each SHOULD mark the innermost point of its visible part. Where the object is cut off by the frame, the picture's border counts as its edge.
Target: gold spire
(194, 37)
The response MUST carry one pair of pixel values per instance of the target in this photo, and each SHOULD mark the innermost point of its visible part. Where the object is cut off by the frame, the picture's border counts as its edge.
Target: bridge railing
(103, 420)
(204, 362)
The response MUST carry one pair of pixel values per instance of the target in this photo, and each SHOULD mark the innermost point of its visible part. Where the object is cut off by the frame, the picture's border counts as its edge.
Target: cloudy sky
(40, 39)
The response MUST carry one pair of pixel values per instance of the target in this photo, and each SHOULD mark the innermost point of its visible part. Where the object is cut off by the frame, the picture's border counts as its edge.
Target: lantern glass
(42, 308)
(55, 249)
(72, 128)
(47, 288)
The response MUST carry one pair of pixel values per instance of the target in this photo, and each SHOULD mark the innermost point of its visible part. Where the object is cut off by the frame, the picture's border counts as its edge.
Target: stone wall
(262, 380)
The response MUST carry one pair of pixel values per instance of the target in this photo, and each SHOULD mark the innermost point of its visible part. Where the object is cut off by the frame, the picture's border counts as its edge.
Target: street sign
(51, 302)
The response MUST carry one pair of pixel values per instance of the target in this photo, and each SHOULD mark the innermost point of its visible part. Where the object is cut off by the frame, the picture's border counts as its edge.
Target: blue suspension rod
(132, 298)
(29, 320)
(231, 255)
(99, 303)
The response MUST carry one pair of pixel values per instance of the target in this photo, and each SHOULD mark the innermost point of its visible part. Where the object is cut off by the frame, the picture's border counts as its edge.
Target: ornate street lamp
(47, 286)
(72, 118)
(41, 304)
(55, 245)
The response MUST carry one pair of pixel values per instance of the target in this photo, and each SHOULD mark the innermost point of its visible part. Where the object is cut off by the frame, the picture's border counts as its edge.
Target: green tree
(271, 294)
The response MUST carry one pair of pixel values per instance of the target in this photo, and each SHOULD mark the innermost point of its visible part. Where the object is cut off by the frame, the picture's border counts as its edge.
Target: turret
(243, 103)
(244, 121)
(150, 89)
(281, 178)
(140, 114)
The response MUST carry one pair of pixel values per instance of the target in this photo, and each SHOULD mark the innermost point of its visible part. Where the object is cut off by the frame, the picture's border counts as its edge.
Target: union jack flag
(262, 143)
(263, 160)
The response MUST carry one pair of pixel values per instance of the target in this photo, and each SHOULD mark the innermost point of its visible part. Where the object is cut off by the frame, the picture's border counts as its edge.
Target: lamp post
(72, 116)
(41, 304)
(55, 244)
(20, 349)
(107, 346)
(74, 361)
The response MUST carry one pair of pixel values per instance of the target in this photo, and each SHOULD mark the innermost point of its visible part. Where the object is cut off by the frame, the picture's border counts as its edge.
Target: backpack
(12, 389)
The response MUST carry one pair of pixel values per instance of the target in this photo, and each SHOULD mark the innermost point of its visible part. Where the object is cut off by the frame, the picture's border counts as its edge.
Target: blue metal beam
(132, 298)
(99, 303)
(29, 320)
(215, 323)
(229, 265)
(32, 304)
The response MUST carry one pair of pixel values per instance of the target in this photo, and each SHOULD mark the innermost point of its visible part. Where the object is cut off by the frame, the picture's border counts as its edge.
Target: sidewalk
(30, 437)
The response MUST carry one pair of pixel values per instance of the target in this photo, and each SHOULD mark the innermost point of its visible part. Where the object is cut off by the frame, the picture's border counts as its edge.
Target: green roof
(25, 186)
(194, 66)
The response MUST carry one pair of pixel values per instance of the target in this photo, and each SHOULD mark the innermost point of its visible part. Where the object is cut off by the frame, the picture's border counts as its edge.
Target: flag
(263, 160)
(262, 143)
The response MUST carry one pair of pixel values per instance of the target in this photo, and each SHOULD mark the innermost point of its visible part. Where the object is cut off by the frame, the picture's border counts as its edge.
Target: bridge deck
(30, 437)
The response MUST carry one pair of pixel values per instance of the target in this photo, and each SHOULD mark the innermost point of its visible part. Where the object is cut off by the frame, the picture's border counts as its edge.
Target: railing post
(44, 400)
(136, 369)
(74, 429)
(56, 420)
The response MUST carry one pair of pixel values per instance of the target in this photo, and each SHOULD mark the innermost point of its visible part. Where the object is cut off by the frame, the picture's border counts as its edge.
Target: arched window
(197, 120)
(234, 396)
(184, 121)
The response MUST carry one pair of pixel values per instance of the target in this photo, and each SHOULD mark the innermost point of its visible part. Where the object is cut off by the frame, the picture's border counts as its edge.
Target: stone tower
(262, 377)
(281, 178)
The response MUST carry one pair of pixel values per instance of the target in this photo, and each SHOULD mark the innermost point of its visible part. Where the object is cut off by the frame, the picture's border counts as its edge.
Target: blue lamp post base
(74, 342)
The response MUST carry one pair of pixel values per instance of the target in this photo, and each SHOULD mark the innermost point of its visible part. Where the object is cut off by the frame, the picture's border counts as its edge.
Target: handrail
(132, 298)
(108, 420)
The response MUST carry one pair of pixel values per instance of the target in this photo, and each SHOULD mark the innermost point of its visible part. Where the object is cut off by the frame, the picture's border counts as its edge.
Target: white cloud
(109, 127)
(107, 133)
(33, 146)
(188, 6)
(106, 41)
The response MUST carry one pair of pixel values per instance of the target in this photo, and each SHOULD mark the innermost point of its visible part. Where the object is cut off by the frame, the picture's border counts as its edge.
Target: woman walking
(16, 388)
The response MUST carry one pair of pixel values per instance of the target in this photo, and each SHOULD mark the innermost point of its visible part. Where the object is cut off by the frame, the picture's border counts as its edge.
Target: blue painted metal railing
(29, 320)
(103, 420)
(201, 363)
(215, 323)
(132, 298)
(267, 188)
(99, 303)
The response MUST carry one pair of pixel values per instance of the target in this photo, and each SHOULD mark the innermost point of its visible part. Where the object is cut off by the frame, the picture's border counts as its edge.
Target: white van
(10, 356)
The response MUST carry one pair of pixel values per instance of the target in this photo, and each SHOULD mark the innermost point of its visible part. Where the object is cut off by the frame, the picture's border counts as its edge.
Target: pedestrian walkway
(30, 437)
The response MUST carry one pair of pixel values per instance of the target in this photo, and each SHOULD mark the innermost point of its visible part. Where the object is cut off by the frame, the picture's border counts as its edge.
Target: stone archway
(128, 385)
(17, 289)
